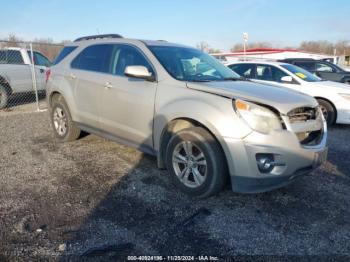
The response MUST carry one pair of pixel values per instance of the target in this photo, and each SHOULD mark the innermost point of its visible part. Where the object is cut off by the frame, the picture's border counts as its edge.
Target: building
(271, 54)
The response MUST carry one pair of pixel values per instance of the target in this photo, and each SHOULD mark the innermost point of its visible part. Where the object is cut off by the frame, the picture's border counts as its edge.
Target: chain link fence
(23, 71)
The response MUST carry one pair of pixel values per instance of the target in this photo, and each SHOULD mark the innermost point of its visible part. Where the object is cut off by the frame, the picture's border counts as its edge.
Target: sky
(220, 23)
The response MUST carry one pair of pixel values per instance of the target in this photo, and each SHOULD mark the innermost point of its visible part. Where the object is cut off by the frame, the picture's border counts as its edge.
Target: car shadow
(145, 214)
(23, 99)
(338, 153)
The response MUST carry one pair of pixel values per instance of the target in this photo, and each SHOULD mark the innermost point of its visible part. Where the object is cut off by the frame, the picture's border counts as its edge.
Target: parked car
(334, 98)
(16, 74)
(203, 122)
(323, 69)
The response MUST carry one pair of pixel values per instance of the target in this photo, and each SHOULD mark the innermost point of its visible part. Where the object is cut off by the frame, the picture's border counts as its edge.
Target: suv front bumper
(295, 160)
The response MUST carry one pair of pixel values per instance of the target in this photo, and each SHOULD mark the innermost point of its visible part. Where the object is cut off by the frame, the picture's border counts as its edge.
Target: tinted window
(321, 67)
(269, 73)
(188, 64)
(310, 66)
(65, 51)
(94, 58)
(14, 57)
(123, 56)
(3, 57)
(244, 70)
(39, 59)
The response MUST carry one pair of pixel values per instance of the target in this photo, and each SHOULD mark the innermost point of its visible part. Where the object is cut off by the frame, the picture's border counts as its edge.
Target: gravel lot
(94, 199)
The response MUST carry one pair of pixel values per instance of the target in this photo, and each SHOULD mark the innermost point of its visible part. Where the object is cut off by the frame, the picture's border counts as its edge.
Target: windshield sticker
(301, 75)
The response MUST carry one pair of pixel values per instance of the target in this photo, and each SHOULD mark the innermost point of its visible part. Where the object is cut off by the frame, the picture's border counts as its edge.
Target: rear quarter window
(14, 57)
(94, 58)
(64, 52)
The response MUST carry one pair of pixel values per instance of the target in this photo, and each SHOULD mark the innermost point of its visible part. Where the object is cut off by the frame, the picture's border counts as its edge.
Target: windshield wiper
(235, 79)
(199, 80)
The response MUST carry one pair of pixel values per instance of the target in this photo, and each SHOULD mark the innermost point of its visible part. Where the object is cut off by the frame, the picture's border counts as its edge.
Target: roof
(269, 50)
(258, 62)
(117, 38)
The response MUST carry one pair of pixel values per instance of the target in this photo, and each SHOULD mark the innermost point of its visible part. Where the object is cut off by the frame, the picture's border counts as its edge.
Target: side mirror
(287, 79)
(139, 72)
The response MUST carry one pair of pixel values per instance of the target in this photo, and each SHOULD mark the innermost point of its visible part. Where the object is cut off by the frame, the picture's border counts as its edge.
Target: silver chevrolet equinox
(204, 123)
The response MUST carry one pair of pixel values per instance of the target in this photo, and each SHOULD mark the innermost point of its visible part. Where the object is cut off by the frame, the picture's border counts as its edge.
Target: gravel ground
(97, 200)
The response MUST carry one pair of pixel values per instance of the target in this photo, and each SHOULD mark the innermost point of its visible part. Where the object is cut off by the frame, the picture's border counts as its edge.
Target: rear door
(18, 73)
(88, 75)
(244, 70)
(127, 110)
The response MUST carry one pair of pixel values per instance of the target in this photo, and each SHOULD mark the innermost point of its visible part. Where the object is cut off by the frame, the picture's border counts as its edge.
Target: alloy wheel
(60, 121)
(190, 164)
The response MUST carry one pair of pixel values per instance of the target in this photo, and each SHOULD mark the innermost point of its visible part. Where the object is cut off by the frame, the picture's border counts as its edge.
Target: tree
(252, 45)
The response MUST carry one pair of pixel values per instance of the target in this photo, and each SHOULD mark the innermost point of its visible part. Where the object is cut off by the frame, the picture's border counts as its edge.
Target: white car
(333, 97)
(16, 74)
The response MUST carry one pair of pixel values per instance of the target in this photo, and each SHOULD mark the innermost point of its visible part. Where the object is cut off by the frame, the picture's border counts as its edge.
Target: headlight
(259, 118)
(346, 96)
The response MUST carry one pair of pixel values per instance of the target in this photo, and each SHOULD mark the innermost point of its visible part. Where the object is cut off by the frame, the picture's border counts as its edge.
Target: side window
(3, 58)
(94, 58)
(64, 52)
(269, 73)
(309, 66)
(321, 67)
(14, 57)
(244, 70)
(124, 56)
(41, 60)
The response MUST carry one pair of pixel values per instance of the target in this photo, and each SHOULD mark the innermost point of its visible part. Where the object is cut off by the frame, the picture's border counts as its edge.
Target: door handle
(73, 76)
(42, 70)
(108, 85)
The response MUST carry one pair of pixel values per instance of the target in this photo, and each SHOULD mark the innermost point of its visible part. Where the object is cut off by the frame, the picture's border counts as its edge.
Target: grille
(302, 114)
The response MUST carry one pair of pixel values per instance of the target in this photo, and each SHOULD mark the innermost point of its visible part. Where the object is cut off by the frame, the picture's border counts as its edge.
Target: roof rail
(90, 37)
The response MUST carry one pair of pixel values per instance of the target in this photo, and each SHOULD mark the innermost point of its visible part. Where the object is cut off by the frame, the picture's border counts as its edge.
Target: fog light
(265, 162)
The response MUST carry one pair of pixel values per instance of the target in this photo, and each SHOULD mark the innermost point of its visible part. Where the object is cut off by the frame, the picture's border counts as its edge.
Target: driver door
(127, 109)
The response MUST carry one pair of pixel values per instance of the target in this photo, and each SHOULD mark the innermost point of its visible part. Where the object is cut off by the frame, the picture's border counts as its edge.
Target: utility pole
(245, 40)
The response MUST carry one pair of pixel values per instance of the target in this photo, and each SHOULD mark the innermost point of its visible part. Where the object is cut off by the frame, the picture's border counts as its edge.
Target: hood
(280, 98)
(336, 86)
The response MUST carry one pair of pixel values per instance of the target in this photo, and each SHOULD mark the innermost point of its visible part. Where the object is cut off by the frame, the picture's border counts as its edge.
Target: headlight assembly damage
(258, 118)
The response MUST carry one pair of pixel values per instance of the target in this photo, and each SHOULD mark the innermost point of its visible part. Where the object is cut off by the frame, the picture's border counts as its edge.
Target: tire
(198, 179)
(64, 128)
(4, 97)
(328, 110)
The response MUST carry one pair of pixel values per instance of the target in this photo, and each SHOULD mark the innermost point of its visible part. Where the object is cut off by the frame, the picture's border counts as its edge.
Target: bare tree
(239, 46)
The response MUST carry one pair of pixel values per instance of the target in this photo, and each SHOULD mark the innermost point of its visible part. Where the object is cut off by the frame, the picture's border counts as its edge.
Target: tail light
(48, 74)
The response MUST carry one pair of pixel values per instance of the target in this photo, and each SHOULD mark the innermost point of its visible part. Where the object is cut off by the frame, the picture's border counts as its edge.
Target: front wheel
(196, 162)
(328, 111)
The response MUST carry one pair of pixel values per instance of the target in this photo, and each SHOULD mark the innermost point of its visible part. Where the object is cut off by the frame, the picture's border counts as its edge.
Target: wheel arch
(5, 83)
(176, 125)
(52, 97)
(331, 103)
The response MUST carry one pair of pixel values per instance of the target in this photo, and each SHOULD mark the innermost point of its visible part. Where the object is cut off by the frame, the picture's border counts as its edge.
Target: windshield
(188, 64)
(302, 73)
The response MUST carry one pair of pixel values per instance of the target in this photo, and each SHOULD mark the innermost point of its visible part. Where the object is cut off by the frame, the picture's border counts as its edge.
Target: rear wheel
(196, 162)
(328, 111)
(4, 96)
(64, 128)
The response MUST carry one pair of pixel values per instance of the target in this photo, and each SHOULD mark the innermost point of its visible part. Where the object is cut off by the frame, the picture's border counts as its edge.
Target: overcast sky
(220, 23)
